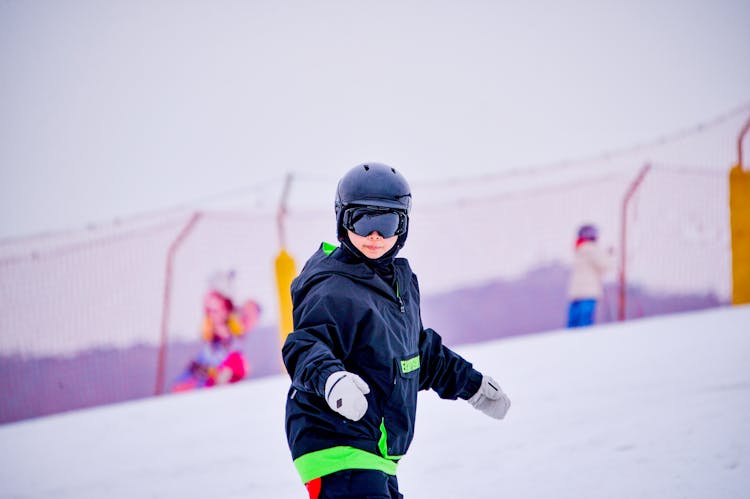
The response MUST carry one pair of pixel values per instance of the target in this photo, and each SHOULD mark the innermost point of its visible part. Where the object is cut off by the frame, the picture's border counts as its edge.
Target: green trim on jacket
(324, 462)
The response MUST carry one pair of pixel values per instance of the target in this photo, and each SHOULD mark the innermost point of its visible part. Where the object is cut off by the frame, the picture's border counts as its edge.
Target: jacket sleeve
(443, 370)
(316, 347)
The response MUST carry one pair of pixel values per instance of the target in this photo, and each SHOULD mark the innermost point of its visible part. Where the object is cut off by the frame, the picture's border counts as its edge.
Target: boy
(359, 354)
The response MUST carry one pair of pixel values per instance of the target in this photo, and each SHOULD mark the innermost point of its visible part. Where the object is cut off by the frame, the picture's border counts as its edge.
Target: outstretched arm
(443, 370)
(451, 376)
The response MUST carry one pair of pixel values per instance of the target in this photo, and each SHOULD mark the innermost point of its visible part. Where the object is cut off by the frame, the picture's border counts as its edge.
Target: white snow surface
(655, 408)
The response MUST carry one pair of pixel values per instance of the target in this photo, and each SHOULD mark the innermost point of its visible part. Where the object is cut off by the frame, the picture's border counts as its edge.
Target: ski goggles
(364, 220)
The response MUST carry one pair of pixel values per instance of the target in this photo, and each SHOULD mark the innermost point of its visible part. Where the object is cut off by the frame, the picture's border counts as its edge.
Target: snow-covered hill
(657, 408)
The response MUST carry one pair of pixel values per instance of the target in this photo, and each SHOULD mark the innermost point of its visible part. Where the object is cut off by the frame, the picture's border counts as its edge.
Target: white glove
(490, 399)
(345, 393)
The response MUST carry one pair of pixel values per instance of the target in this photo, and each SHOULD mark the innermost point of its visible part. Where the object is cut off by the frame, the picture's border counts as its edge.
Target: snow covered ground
(656, 408)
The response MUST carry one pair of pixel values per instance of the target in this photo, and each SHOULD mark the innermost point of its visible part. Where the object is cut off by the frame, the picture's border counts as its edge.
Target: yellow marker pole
(285, 273)
(285, 269)
(739, 217)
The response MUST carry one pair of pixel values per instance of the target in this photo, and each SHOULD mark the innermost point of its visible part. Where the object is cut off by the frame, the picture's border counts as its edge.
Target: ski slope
(656, 408)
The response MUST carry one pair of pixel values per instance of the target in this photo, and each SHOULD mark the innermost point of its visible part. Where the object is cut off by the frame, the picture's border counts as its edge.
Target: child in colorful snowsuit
(220, 360)
(359, 353)
(585, 288)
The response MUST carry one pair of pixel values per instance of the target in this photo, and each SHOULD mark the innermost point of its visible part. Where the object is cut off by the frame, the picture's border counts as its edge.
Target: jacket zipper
(398, 297)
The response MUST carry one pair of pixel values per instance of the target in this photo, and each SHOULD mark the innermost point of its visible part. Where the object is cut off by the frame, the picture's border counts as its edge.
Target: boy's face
(373, 246)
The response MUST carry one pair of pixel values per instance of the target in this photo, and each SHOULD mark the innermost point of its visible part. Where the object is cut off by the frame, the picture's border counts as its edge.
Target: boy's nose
(375, 235)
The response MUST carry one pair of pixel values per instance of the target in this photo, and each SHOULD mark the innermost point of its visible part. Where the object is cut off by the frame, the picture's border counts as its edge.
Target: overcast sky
(108, 109)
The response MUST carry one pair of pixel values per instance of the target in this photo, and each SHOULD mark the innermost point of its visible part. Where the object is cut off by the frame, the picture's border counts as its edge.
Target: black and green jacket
(347, 317)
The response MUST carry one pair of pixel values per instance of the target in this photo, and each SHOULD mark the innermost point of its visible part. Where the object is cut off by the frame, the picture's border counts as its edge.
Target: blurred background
(146, 147)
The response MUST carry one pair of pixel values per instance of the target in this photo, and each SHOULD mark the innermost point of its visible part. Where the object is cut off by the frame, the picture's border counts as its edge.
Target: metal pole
(741, 137)
(281, 213)
(285, 269)
(166, 303)
(624, 241)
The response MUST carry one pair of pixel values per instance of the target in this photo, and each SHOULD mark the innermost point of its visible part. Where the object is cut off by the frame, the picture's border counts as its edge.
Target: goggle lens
(363, 221)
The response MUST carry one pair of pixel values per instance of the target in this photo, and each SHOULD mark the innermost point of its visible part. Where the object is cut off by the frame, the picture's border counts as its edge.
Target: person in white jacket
(590, 264)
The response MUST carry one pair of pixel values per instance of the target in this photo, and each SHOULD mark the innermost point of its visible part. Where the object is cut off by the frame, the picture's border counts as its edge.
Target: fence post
(739, 223)
(622, 302)
(167, 301)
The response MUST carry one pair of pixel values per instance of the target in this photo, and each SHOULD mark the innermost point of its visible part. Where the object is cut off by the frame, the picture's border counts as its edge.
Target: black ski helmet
(372, 184)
